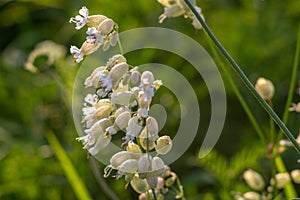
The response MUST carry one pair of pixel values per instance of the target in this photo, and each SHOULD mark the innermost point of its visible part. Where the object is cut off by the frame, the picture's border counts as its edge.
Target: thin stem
(236, 90)
(120, 46)
(272, 126)
(289, 189)
(102, 183)
(292, 83)
(154, 194)
(180, 188)
(69, 170)
(244, 79)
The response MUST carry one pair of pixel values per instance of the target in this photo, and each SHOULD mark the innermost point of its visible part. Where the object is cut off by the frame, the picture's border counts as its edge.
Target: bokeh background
(260, 35)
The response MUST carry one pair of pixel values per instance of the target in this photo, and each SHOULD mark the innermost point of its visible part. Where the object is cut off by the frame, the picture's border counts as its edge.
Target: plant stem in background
(289, 189)
(244, 79)
(236, 90)
(292, 83)
(102, 183)
(69, 170)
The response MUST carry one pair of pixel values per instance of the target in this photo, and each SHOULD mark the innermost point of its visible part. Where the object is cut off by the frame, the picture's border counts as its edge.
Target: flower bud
(118, 71)
(143, 196)
(106, 45)
(134, 77)
(139, 185)
(282, 179)
(106, 26)
(254, 180)
(163, 145)
(134, 126)
(160, 183)
(122, 98)
(295, 174)
(103, 111)
(152, 180)
(133, 148)
(252, 196)
(152, 127)
(118, 58)
(265, 88)
(88, 48)
(122, 120)
(128, 166)
(95, 20)
(146, 141)
(158, 166)
(144, 165)
(113, 38)
(147, 77)
(118, 158)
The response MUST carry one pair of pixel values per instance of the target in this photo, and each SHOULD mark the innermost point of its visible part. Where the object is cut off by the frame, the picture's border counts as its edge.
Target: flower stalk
(244, 78)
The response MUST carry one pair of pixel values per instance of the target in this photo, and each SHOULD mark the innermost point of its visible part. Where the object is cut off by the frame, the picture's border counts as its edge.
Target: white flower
(78, 56)
(295, 107)
(94, 35)
(81, 19)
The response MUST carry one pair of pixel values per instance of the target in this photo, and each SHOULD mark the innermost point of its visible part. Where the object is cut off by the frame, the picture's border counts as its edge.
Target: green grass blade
(75, 181)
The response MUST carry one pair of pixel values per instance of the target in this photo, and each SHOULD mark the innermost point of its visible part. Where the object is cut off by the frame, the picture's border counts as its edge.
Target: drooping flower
(176, 8)
(81, 19)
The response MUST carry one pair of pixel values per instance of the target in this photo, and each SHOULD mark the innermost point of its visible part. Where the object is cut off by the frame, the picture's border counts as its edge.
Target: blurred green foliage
(260, 35)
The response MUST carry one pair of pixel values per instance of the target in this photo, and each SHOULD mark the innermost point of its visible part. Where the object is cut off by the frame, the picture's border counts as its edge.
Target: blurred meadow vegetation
(261, 35)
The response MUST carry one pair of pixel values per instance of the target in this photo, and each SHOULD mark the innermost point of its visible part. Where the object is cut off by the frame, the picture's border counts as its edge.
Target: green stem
(154, 194)
(292, 83)
(120, 46)
(236, 90)
(289, 189)
(244, 79)
(272, 126)
(69, 170)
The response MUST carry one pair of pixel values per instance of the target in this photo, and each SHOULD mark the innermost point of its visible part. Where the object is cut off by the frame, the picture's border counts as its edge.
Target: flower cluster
(176, 8)
(119, 105)
(256, 182)
(101, 31)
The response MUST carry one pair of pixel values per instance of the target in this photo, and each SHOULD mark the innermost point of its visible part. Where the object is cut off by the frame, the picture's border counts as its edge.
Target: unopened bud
(88, 48)
(101, 143)
(122, 120)
(152, 127)
(265, 88)
(282, 179)
(295, 174)
(160, 183)
(128, 166)
(254, 180)
(95, 20)
(118, 71)
(135, 76)
(252, 196)
(158, 166)
(106, 26)
(139, 185)
(134, 126)
(113, 39)
(147, 142)
(163, 145)
(118, 158)
(144, 165)
(134, 148)
(103, 111)
(147, 77)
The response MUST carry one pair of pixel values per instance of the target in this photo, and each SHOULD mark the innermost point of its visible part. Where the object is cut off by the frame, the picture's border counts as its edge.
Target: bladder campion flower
(176, 8)
(101, 31)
